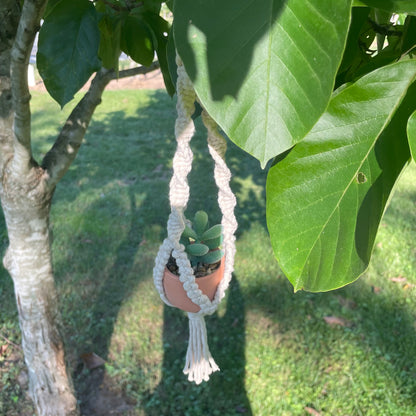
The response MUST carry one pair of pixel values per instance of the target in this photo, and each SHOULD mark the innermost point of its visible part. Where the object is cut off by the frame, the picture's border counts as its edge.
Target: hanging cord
(226, 200)
(199, 362)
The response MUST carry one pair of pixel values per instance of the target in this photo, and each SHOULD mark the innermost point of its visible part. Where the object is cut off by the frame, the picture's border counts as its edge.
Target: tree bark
(26, 206)
(26, 191)
(26, 200)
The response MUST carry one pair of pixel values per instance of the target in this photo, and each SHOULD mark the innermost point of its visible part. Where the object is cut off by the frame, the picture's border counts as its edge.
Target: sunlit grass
(277, 354)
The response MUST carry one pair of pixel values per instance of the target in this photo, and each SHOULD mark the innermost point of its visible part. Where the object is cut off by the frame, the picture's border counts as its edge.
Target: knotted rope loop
(199, 362)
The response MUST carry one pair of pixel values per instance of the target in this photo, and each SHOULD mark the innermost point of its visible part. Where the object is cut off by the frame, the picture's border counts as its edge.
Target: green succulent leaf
(197, 250)
(411, 134)
(326, 197)
(200, 222)
(214, 242)
(68, 48)
(212, 257)
(264, 70)
(188, 232)
(211, 233)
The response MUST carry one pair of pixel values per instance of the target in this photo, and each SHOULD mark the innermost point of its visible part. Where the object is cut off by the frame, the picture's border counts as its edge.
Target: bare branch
(58, 160)
(138, 70)
(28, 27)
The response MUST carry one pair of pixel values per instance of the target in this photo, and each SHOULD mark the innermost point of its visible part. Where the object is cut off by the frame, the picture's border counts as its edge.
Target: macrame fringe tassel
(199, 362)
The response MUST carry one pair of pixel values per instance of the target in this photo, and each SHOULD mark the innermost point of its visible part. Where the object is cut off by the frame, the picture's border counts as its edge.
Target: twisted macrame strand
(199, 362)
(226, 200)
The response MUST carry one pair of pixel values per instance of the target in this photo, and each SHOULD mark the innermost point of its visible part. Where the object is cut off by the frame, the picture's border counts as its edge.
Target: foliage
(307, 88)
(75, 60)
(78, 37)
(349, 180)
(202, 243)
(265, 71)
(317, 86)
(107, 230)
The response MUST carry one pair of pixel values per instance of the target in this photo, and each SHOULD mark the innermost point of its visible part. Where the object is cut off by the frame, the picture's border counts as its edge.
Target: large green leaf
(109, 50)
(326, 197)
(393, 6)
(136, 40)
(264, 70)
(411, 134)
(161, 29)
(67, 49)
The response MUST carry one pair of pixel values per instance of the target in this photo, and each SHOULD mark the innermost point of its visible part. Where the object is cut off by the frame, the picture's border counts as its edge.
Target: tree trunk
(26, 205)
(26, 200)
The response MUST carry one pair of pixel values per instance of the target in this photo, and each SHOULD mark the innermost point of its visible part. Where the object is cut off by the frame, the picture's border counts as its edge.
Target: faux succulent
(202, 243)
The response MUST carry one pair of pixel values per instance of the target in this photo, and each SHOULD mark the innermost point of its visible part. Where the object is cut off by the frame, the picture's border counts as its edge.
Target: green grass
(277, 354)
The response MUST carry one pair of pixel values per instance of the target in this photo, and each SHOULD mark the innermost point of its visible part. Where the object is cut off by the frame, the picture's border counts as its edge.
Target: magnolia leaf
(337, 321)
(411, 134)
(151, 5)
(326, 197)
(49, 7)
(109, 50)
(161, 30)
(393, 6)
(264, 70)
(136, 40)
(68, 47)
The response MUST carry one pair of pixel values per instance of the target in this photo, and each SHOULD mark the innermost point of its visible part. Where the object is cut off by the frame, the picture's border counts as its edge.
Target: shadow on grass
(121, 156)
(225, 393)
(378, 327)
(129, 157)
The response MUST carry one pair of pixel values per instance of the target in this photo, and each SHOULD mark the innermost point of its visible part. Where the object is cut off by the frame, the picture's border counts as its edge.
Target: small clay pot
(176, 294)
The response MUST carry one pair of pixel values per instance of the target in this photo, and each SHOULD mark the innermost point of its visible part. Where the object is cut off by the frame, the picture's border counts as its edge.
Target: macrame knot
(199, 362)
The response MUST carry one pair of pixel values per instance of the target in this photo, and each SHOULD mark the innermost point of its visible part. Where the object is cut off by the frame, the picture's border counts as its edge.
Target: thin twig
(10, 342)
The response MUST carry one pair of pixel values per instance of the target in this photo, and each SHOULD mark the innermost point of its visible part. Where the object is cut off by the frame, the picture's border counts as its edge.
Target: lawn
(347, 352)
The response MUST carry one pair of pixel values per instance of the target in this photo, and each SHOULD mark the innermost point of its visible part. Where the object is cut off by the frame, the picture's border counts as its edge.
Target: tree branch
(28, 27)
(9, 18)
(58, 160)
(136, 71)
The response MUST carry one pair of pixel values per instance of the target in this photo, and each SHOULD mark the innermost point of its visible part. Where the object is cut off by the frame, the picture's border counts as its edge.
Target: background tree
(27, 186)
(325, 88)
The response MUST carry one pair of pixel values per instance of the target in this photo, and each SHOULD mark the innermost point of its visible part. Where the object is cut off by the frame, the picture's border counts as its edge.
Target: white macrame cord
(199, 362)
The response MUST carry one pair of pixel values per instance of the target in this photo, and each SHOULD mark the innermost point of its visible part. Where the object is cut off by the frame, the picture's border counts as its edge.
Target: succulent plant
(202, 243)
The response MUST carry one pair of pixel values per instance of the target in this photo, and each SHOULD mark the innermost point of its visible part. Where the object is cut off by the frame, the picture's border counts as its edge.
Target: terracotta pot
(176, 294)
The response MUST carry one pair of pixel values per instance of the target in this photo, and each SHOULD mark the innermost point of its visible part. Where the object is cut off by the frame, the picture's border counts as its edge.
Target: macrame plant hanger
(199, 362)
